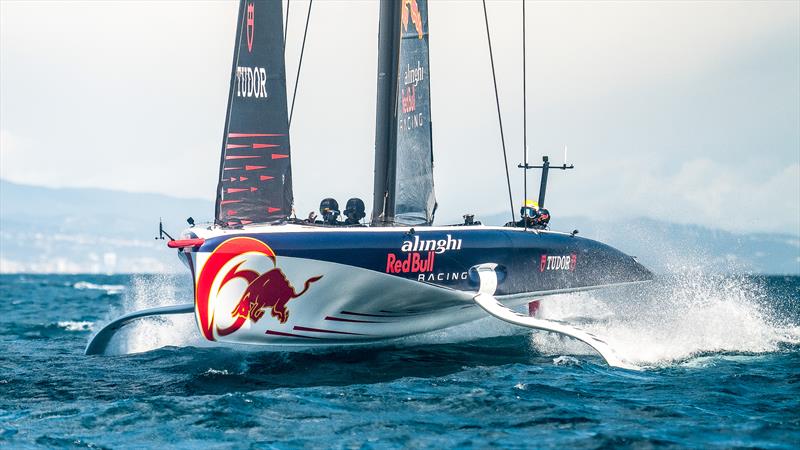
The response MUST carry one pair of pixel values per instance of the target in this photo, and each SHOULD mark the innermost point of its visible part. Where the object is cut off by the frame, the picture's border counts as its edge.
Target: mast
(385, 150)
(403, 190)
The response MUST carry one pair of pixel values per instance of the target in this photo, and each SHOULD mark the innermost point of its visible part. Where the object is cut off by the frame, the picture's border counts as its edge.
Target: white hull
(347, 305)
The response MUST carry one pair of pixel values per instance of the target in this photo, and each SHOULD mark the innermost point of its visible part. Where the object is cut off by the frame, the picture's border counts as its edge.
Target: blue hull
(442, 256)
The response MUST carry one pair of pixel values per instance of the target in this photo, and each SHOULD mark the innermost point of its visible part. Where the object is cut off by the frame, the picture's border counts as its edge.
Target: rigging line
(300, 63)
(286, 25)
(524, 113)
(499, 116)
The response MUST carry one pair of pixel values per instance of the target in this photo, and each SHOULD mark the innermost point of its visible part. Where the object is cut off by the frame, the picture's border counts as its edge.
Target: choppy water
(721, 360)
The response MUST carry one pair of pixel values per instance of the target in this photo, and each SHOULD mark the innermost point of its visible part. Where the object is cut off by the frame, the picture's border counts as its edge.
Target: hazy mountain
(89, 230)
(96, 230)
(669, 247)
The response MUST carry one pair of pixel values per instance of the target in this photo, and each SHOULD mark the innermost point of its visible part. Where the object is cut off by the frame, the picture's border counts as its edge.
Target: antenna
(161, 232)
(545, 172)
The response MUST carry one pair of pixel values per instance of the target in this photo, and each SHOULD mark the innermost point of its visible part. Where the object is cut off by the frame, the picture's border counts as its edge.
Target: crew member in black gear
(329, 209)
(354, 211)
(541, 219)
(531, 216)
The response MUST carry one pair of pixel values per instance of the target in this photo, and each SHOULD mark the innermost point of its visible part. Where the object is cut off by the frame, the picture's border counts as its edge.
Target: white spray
(678, 317)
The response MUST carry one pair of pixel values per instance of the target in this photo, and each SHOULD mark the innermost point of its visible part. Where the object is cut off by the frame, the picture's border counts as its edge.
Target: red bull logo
(268, 290)
(412, 263)
(411, 9)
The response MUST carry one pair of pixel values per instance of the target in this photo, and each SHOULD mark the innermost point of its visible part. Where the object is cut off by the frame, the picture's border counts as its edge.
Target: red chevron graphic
(242, 156)
(236, 146)
(231, 168)
(225, 202)
(265, 177)
(279, 156)
(235, 190)
(265, 145)
(254, 167)
(272, 210)
(245, 135)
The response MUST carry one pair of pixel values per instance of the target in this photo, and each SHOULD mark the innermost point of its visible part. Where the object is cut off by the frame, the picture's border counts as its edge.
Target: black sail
(404, 192)
(255, 182)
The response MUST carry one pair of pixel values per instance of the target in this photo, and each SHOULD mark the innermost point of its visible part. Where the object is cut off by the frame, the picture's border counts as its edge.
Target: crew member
(542, 219)
(329, 209)
(531, 216)
(354, 211)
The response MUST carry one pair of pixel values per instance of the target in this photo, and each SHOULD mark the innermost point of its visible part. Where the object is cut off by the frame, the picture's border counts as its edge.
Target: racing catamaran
(262, 276)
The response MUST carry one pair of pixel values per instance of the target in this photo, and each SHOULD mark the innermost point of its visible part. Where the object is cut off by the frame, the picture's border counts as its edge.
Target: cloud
(698, 101)
(714, 194)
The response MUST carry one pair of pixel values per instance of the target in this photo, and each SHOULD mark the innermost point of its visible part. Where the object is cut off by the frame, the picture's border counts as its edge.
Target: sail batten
(255, 182)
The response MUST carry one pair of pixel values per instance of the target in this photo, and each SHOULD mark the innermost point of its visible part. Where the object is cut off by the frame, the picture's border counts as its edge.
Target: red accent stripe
(225, 202)
(253, 189)
(349, 313)
(265, 177)
(231, 212)
(279, 156)
(265, 145)
(235, 190)
(337, 319)
(242, 178)
(181, 243)
(272, 210)
(318, 330)
(244, 135)
(254, 167)
(242, 156)
(236, 146)
(280, 333)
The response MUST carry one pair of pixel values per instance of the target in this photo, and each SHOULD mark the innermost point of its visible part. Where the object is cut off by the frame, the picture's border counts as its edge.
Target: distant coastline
(89, 230)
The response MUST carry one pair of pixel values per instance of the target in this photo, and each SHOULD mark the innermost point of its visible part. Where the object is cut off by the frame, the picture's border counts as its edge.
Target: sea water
(719, 359)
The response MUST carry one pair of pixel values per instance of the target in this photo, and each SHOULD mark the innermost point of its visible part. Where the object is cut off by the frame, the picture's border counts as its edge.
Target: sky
(682, 111)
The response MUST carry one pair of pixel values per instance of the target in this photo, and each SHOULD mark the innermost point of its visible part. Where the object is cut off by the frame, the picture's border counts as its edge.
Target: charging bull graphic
(410, 8)
(268, 290)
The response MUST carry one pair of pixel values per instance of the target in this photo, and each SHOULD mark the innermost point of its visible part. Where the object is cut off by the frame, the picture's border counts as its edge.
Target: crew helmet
(355, 209)
(529, 208)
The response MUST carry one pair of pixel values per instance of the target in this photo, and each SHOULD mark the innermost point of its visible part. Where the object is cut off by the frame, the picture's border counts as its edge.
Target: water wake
(111, 289)
(673, 319)
(149, 291)
(74, 325)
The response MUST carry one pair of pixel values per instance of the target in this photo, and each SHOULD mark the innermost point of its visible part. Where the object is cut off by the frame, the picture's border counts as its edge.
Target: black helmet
(355, 209)
(328, 205)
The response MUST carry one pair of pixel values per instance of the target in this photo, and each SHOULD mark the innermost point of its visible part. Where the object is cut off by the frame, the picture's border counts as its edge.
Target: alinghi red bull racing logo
(268, 290)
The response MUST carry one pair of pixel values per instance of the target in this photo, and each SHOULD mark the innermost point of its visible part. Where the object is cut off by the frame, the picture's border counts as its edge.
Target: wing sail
(255, 175)
(404, 192)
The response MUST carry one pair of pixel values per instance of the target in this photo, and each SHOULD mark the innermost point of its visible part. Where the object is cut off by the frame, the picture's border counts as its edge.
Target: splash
(111, 289)
(71, 325)
(676, 318)
(150, 291)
